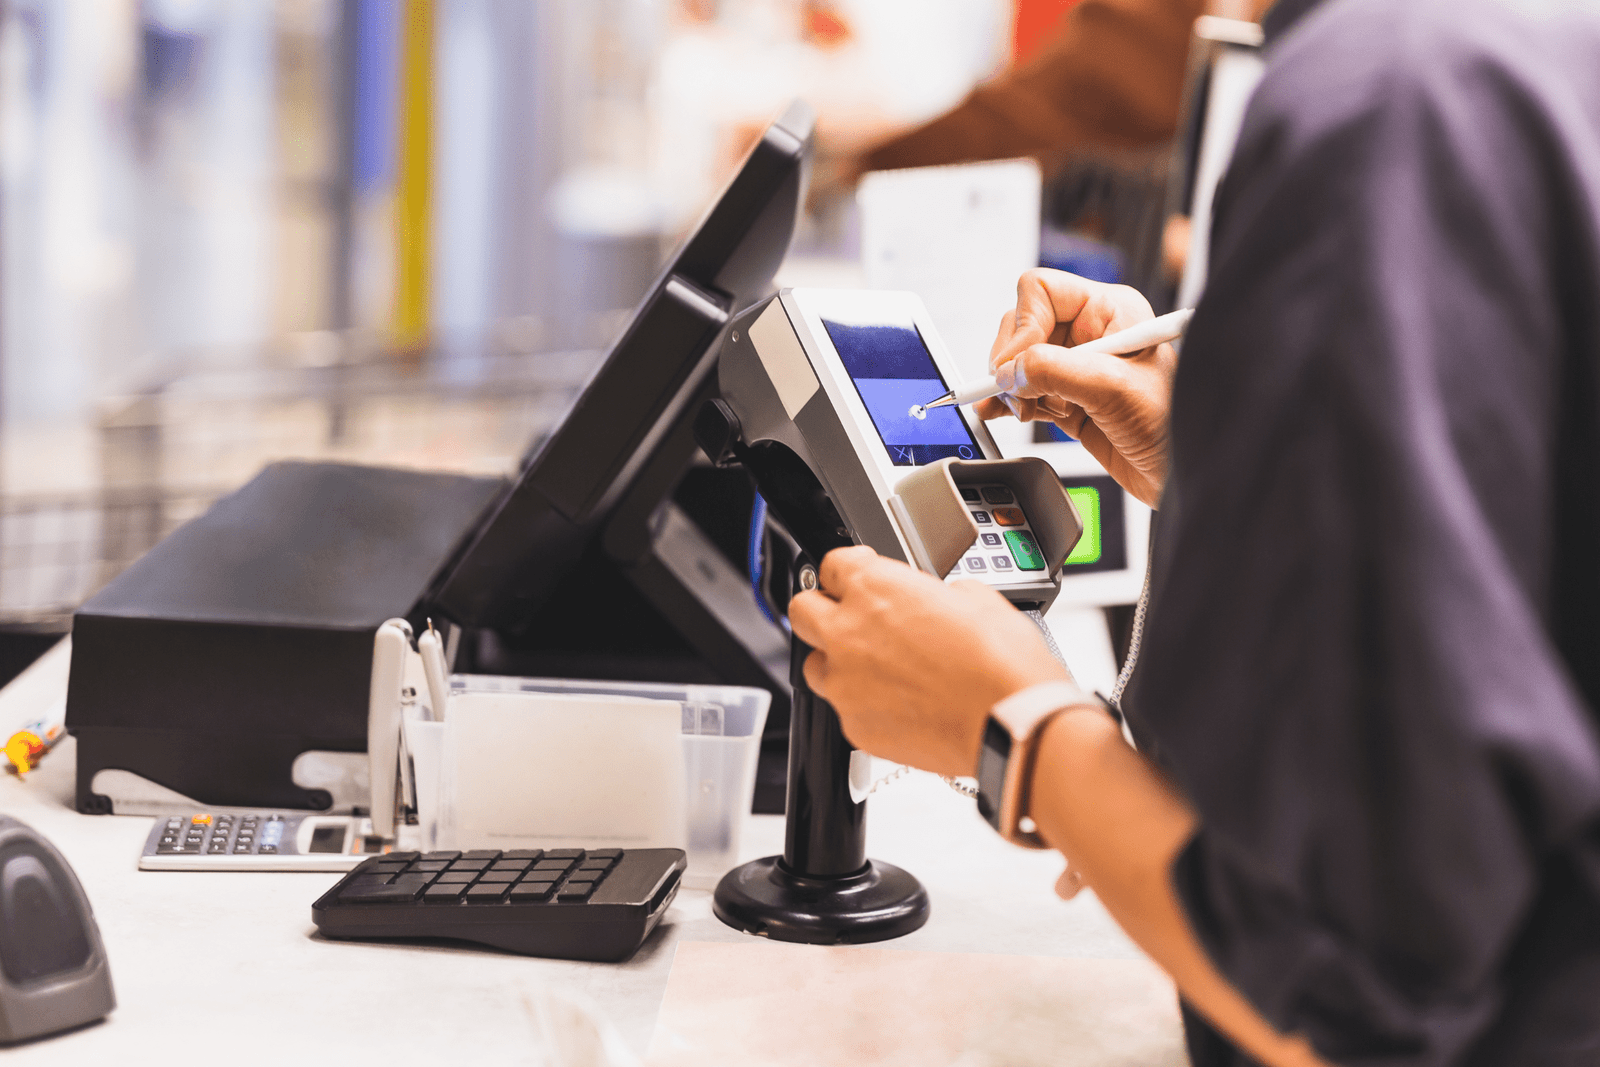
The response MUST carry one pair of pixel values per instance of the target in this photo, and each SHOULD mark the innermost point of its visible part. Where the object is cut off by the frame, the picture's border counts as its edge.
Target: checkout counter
(213, 966)
(226, 967)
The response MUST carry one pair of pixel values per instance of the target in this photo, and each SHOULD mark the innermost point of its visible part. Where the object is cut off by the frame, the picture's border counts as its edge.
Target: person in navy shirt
(1362, 824)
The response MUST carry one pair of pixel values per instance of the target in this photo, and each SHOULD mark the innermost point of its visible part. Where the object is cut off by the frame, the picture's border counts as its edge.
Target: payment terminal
(821, 395)
(822, 402)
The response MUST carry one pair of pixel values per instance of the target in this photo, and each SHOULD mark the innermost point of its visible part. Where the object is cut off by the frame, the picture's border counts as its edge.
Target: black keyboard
(565, 903)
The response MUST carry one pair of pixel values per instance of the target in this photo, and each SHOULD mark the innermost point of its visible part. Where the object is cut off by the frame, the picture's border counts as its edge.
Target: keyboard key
(527, 892)
(499, 876)
(1009, 516)
(426, 865)
(564, 854)
(440, 855)
(409, 878)
(457, 878)
(998, 494)
(469, 865)
(372, 879)
(380, 894)
(612, 854)
(552, 867)
(486, 893)
(575, 891)
(970, 494)
(981, 518)
(522, 854)
(399, 857)
(389, 868)
(592, 864)
(990, 540)
(975, 563)
(510, 865)
(1001, 563)
(443, 894)
(482, 854)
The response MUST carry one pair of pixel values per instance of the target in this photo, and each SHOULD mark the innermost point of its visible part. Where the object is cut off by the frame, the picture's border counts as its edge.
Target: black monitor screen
(620, 448)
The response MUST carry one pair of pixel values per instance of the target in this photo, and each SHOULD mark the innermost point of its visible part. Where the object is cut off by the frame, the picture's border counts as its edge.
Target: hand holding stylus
(1134, 339)
(1115, 404)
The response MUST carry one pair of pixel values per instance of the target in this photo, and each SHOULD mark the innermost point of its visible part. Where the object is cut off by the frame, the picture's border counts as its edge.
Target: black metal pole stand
(823, 890)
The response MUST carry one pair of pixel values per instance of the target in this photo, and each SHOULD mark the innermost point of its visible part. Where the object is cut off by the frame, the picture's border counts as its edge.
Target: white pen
(433, 665)
(1156, 331)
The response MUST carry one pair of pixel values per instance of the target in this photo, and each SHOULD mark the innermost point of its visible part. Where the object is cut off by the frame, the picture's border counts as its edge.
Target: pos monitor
(585, 564)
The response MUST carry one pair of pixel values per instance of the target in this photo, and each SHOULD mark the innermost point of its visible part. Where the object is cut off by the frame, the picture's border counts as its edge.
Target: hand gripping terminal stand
(816, 391)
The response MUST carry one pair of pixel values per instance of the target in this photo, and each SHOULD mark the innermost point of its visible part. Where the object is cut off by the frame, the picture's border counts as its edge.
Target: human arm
(1110, 76)
(912, 666)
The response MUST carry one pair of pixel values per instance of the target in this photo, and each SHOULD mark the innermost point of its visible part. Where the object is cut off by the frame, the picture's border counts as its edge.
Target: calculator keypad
(1006, 551)
(221, 835)
(481, 877)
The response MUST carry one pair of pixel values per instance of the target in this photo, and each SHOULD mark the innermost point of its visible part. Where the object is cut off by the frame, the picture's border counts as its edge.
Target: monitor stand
(653, 598)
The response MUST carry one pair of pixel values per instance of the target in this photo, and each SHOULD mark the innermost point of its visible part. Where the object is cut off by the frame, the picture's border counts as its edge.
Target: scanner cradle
(818, 388)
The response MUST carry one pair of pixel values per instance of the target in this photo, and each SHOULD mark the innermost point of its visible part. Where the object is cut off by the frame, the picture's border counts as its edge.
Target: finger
(993, 408)
(1045, 299)
(816, 672)
(1052, 408)
(811, 617)
(841, 567)
(1091, 380)
(1072, 420)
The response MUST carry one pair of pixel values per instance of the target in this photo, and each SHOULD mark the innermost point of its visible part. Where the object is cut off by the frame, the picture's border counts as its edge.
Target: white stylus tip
(919, 412)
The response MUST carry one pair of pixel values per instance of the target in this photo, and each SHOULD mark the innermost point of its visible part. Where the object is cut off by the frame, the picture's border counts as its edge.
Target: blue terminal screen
(893, 370)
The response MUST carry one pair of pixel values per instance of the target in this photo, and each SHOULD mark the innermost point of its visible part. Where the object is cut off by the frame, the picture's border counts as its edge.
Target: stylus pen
(1157, 331)
(435, 670)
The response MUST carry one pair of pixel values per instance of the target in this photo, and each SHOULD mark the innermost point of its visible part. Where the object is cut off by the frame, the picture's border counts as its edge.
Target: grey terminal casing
(806, 435)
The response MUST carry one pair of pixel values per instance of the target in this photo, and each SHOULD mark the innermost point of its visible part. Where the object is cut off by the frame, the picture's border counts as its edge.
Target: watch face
(992, 760)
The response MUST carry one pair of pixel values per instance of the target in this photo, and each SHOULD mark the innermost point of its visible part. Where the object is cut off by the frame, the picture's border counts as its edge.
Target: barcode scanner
(53, 972)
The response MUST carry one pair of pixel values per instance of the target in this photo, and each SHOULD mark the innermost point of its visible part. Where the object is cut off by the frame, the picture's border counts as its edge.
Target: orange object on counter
(28, 746)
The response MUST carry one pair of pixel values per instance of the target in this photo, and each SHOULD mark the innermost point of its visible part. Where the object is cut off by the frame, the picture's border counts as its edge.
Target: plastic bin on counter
(720, 737)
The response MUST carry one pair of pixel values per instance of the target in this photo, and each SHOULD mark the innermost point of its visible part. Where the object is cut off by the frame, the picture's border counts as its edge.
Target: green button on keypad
(1024, 550)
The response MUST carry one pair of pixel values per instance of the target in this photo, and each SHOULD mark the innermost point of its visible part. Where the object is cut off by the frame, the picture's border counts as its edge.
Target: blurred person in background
(1108, 79)
(1362, 824)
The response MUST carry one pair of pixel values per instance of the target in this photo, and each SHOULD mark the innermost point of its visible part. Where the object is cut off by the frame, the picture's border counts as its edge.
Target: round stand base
(876, 903)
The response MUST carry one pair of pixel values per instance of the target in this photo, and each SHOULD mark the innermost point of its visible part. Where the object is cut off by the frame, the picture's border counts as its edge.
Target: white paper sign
(544, 770)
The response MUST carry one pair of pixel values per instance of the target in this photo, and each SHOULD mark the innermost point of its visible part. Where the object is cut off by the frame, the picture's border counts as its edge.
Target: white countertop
(227, 968)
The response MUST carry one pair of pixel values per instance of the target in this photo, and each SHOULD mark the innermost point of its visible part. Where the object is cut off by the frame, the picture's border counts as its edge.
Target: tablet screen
(892, 371)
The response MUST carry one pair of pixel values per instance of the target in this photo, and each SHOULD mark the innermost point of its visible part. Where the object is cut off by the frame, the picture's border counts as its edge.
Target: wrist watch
(1005, 761)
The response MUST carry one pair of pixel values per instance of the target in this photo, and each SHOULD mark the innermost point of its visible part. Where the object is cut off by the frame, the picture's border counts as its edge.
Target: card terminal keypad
(1006, 551)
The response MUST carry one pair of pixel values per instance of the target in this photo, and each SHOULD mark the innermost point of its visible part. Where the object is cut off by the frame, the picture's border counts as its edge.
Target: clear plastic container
(721, 736)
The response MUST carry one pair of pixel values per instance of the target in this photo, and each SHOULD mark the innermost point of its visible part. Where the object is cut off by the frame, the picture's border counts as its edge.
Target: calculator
(252, 839)
(566, 903)
(1006, 551)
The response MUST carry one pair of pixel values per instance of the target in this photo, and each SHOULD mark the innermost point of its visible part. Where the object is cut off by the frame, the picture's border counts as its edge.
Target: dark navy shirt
(1373, 654)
